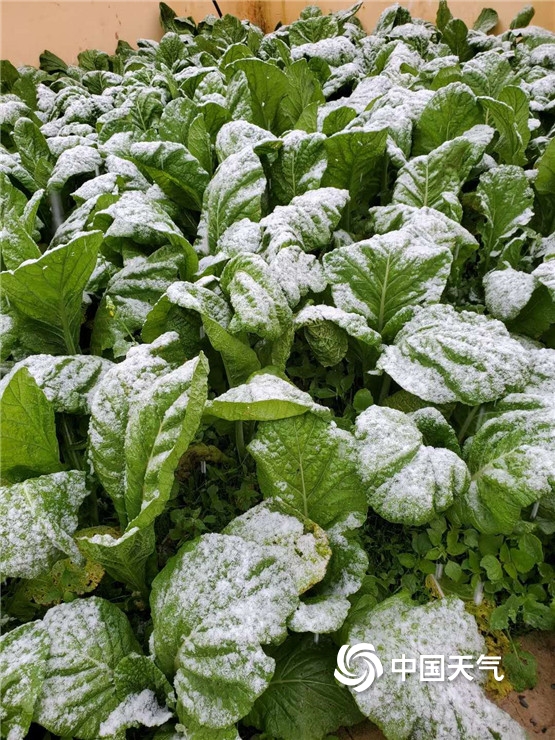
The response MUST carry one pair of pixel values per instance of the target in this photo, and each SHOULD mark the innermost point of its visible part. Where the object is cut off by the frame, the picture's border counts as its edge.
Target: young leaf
(123, 557)
(162, 423)
(259, 302)
(299, 166)
(435, 179)
(174, 169)
(512, 462)
(307, 222)
(505, 199)
(442, 355)
(111, 406)
(48, 292)
(235, 192)
(453, 110)
(23, 654)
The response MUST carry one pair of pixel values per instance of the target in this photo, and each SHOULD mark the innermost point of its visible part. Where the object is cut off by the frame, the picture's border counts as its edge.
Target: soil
(533, 709)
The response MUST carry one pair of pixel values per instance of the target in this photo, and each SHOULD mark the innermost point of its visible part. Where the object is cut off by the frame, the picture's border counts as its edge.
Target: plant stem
(467, 422)
(384, 390)
(240, 440)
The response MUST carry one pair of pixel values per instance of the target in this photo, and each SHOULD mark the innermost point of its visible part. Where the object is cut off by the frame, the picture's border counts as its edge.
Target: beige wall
(66, 27)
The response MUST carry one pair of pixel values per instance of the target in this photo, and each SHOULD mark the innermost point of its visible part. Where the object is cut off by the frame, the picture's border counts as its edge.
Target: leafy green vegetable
(277, 340)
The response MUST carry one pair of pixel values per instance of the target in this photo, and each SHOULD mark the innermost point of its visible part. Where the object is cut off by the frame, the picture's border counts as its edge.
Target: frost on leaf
(307, 222)
(442, 355)
(37, 520)
(263, 398)
(419, 709)
(88, 638)
(254, 291)
(69, 382)
(213, 607)
(23, 653)
(406, 481)
(294, 540)
(507, 292)
(512, 462)
(379, 277)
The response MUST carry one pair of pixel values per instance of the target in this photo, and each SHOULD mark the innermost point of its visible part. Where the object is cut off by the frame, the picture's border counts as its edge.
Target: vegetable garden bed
(278, 359)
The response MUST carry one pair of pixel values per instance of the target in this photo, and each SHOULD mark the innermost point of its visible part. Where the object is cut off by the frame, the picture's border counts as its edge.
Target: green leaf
(435, 179)
(265, 397)
(88, 638)
(23, 654)
(48, 292)
(123, 557)
(267, 87)
(141, 220)
(442, 355)
(121, 387)
(511, 459)
(235, 192)
(68, 382)
(260, 305)
(75, 162)
(488, 73)
(405, 480)
(455, 35)
(303, 699)
(174, 169)
(307, 222)
(204, 631)
(402, 708)
(427, 223)
(27, 429)
(523, 17)
(309, 463)
(37, 520)
(492, 566)
(327, 330)
(545, 180)
(451, 111)
(510, 115)
(486, 21)
(355, 164)
(521, 668)
(298, 167)
(162, 423)
(131, 293)
(385, 274)
(296, 541)
(239, 359)
(505, 198)
(17, 246)
(33, 150)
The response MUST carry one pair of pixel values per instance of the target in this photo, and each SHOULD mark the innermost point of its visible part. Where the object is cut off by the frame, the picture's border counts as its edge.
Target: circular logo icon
(367, 662)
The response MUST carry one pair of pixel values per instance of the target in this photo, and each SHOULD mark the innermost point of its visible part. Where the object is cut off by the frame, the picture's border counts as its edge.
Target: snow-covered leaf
(413, 708)
(37, 520)
(442, 355)
(23, 654)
